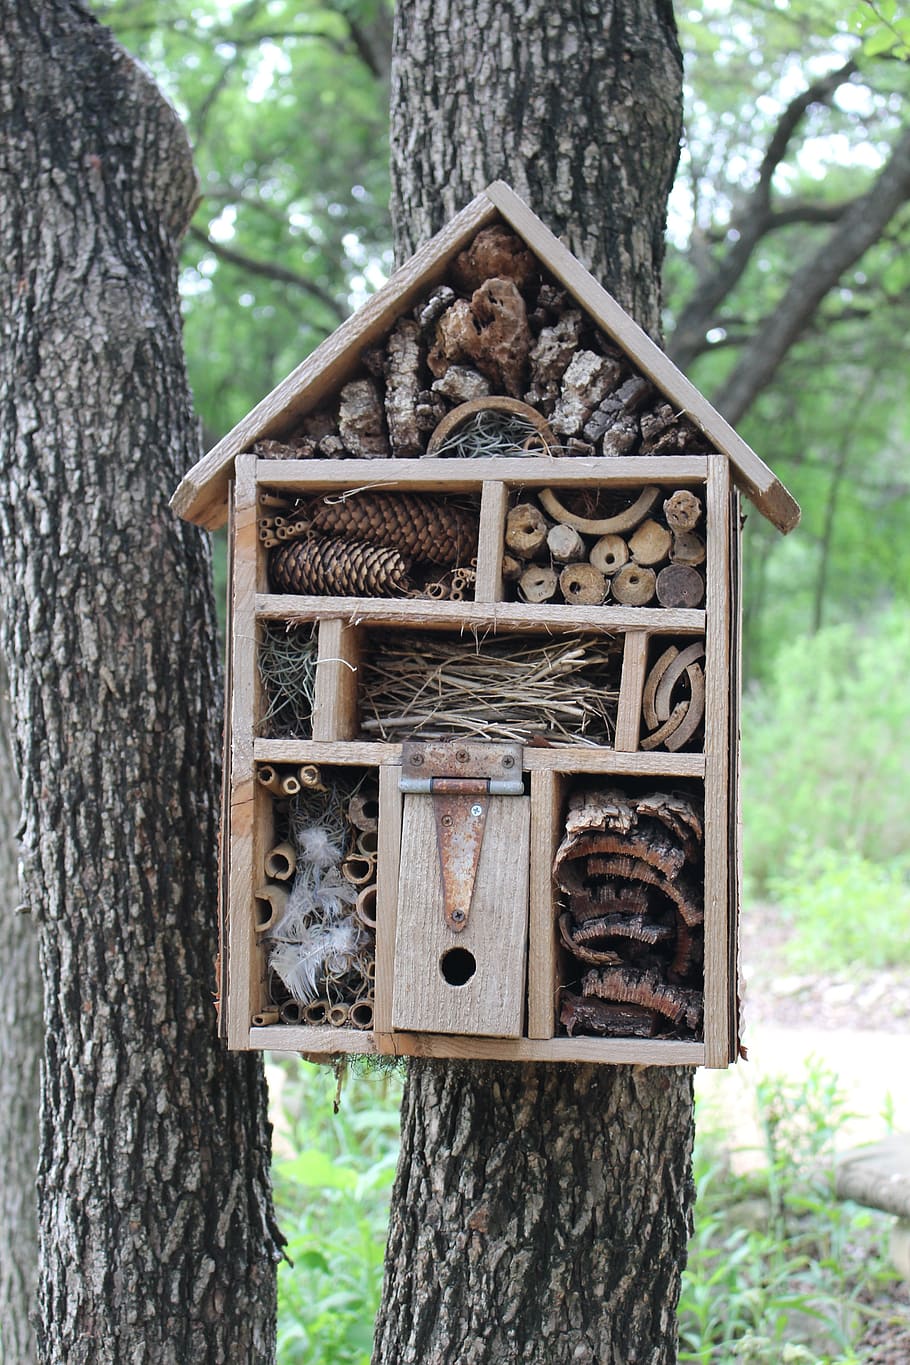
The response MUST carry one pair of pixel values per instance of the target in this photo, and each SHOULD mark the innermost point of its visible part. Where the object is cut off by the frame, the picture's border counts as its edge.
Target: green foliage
(827, 747)
(884, 26)
(778, 1267)
(332, 1196)
(286, 105)
(846, 911)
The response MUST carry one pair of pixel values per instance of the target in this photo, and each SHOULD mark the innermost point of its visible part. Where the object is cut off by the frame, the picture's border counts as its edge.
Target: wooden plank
(201, 495)
(348, 753)
(579, 759)
(243, 956)
(224, 832)
(486, 616)
(311, 1039)
(757, 481)
(543, 951)
(494, 503)
(582, 758)
(387, 876)
(631, 687)
(488, 996)
(335, 708)
(614, 1051)
(466, 476)
(735, 850)
(717, 794)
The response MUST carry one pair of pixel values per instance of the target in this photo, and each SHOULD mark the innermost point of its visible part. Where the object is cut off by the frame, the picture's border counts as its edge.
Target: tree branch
(752, 220)
(860, 227)
(279, 273)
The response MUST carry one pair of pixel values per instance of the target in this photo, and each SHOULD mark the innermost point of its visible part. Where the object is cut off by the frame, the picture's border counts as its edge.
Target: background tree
(540, 1212)
(156, 1240)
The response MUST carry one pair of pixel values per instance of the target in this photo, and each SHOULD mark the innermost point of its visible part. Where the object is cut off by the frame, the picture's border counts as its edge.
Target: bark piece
(680, 585)
(650, 543)
(550, 357)
(618, 407)
(634, 585)
(429, 411)
(404, 360)
(609, 554)
(461, 383)
(586, 1014)
(512, 569)
(687, 548)
(673, 673)
(587, 379)
(631, 986)
(332, 447)
(582, 939)
(430, 310)
(361, 421)
(669, 727)
(565, 544)
(683, 510)
(526, 530)
(494, 253)
(295, 448)
(583, 586)
(538, 584)
(319, 424)
(492, 330)
(622, 437)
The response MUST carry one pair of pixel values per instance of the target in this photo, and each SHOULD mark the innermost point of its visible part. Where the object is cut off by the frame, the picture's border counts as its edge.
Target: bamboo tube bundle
(515, 689)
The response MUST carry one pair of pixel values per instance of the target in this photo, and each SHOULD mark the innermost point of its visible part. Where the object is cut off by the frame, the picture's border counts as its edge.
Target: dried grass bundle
(490, 434)
(511, 689)
(287, 667)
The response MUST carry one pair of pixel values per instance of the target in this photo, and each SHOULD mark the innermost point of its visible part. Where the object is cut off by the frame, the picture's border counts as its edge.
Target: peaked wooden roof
(203, 494)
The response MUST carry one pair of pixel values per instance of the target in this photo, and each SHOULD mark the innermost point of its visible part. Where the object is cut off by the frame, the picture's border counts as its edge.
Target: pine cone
(338, 568)
(423, 527)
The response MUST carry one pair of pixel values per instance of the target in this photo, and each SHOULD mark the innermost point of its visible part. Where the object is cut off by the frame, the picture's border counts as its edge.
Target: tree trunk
(20, 1019)
(155, 1222)
(540, 1213)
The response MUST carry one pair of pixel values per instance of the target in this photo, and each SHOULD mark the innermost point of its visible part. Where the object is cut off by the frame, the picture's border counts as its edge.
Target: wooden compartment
(668, 657)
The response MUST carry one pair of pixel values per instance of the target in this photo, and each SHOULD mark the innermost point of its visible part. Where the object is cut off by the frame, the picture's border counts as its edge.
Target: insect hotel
(481, 736)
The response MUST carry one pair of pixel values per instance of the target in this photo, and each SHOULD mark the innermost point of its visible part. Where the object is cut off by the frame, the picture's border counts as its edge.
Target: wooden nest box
(482, 722)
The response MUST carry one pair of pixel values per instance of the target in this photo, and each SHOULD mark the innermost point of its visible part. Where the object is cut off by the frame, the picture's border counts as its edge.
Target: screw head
(508, 761)
(457, 916)
(461, 755)
(477, 810)
(417, 759)
(447, 820)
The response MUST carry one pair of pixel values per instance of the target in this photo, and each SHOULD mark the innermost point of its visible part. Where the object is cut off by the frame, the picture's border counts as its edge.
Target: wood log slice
(682, 510)
(538, 584)
(650, 543)
(512, 569)
(634, 585)
(680, 585)
(687, 548)
(583, 586)
(526, 530)
(565, 544)
(609, 554)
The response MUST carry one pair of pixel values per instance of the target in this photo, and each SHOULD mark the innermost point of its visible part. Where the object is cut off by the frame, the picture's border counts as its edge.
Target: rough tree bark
(155, 1224)
(20, 1019)
(540, 1213)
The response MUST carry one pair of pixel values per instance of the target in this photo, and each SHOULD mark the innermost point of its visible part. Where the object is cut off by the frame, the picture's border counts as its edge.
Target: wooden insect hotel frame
(481, 739)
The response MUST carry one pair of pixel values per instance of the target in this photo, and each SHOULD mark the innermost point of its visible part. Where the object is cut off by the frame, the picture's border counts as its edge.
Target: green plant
(332, 1196)
(845, 910)
(778, 1266)
(826, 746)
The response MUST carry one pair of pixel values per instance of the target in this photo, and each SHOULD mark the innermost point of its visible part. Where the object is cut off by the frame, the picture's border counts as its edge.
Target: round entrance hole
(457, 966)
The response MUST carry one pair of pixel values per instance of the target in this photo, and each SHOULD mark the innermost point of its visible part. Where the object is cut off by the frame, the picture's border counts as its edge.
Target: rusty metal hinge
(460, 777)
